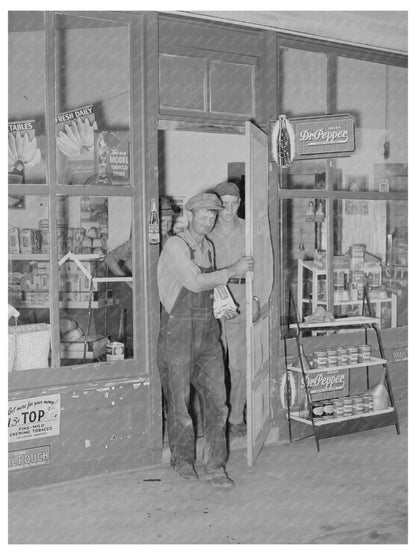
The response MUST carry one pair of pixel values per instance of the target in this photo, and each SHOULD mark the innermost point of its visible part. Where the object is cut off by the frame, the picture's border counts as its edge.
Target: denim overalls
(190, 352)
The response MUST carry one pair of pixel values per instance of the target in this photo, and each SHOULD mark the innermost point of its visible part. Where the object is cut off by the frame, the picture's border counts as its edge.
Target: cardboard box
(112, 157)
(80, 164)
(14, 244)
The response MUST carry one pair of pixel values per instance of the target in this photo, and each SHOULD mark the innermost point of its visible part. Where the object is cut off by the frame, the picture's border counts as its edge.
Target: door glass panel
(95, 277)
(93, 101)
(26, 98)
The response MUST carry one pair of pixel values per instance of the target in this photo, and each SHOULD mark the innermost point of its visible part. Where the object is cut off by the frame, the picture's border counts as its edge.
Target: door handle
(256, 313)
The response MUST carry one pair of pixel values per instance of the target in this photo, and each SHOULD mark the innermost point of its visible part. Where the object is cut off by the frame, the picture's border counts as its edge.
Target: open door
(258, 288)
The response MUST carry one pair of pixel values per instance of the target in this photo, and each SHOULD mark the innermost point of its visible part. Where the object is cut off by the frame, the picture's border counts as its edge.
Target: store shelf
(325, 428)
(29, 256)
(105, 303)
(69, 304)
(112, 279)
(374, 361)
(309, 265)
(357, 303)
(339, 323)
(29, 304)
(355, 417)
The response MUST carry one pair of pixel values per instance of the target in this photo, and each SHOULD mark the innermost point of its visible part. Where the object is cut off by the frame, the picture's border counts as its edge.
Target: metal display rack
(347, 424)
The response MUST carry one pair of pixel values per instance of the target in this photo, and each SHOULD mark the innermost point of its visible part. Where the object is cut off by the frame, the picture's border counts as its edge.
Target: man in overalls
(189, 348)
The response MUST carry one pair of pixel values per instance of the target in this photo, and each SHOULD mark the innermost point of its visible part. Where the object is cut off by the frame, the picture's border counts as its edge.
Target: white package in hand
(224, 304)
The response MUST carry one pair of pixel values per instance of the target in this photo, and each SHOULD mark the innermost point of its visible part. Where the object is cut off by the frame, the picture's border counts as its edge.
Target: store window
(95, 299)
(92, 90)
(70, 262)
(350, 232)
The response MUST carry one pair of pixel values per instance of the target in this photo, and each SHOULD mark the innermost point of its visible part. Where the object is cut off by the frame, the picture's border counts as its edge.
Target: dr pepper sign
(324, 136)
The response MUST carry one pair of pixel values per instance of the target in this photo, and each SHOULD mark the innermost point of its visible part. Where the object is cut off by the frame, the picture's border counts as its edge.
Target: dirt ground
(353, 492)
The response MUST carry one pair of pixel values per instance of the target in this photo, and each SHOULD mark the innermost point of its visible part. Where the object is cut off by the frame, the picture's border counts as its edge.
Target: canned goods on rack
(352, 354)
(364, 353)
(348, 406)
(320, 359)
(317, 409)
(368, 403)
(328, 406)
(357, 404)
(338, 408)
(342, 356)
(332, 357)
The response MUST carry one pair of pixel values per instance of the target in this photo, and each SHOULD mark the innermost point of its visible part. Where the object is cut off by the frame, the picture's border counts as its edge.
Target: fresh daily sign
(34, 418)
(324, 136)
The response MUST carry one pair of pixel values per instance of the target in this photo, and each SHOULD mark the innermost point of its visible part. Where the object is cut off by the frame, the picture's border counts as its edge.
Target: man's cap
(227, 188)
(204, 200)
(165, 206)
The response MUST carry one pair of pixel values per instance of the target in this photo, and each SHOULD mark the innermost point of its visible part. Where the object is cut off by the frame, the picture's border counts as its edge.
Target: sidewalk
(354, 491)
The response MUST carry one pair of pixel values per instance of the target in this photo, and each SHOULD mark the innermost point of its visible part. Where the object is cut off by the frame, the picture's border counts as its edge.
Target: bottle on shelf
(154, 227)
(121, 334)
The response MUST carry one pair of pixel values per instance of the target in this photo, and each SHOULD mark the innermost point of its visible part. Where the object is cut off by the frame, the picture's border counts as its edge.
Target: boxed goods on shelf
(29, 346)
(14, 245)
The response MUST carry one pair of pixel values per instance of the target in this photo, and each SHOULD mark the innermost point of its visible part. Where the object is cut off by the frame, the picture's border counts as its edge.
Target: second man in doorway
(228, 237)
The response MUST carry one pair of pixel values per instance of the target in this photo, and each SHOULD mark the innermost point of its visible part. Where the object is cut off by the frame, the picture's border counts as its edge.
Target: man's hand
(245, 264)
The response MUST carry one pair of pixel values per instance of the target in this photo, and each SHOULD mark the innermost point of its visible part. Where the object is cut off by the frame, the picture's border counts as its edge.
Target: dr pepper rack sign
(324, 136)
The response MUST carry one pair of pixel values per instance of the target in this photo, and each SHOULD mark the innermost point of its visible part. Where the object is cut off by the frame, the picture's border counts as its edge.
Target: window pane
(304, 246)
(27, 141)
(95, 277)
(303, 82)
(93, 101)
(377, 96)
(28, 277)
(377, 260)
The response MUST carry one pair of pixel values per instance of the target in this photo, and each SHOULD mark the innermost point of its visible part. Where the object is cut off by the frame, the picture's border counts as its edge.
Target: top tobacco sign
(324, 136)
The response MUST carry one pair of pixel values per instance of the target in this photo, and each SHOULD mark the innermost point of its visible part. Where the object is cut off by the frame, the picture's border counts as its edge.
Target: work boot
(218, 478)
(237, 430)
(186, 471)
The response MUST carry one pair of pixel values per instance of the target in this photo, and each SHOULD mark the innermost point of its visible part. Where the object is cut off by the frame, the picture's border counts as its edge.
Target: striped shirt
(176, 269)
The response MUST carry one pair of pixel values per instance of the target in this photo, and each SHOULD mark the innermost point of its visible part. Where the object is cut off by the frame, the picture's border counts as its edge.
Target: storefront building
(111, 111)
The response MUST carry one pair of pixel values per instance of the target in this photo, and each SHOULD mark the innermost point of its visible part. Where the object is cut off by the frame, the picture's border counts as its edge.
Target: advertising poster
(34, 418)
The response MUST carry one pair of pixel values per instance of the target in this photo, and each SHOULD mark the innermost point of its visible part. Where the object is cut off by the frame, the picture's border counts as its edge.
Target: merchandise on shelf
(29, 346)
(14, 245)
(94, 219)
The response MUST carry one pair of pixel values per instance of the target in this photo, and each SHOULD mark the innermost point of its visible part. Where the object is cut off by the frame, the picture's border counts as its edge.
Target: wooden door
(258, 289)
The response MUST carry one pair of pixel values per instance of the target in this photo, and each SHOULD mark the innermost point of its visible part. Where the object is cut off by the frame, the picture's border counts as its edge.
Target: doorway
(193, 161)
